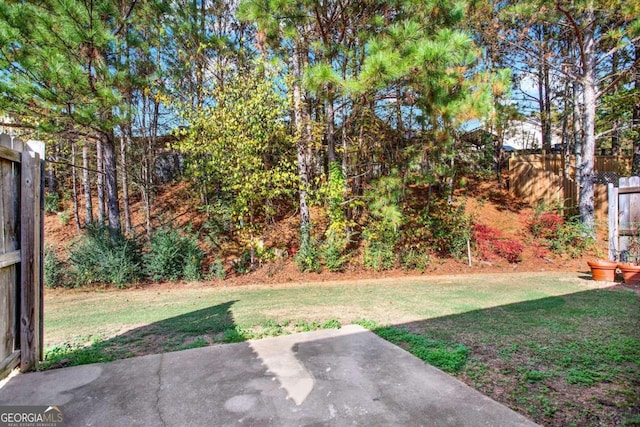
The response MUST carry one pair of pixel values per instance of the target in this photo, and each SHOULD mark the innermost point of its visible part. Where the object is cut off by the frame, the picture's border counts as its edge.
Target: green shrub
(51, 203)
(102, 256)
(216, 270)
(64, 217)
(379, 254)
(308, 257)
(382, 231)
(173, 256)
(447, 228)
(53, 268)
(413, 259)
(334, 251)
(571, 238)
(242, 265)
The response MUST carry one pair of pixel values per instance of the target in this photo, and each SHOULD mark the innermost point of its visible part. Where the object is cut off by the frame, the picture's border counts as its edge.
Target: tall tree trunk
(125, 140)
(51, 168)
(546, 122)
(615, 135)
(100, 182)
(589, 87)
(635, 163)
(111, 181)
(74, 184)
(331, 127)
(301, 147)
(87, 184)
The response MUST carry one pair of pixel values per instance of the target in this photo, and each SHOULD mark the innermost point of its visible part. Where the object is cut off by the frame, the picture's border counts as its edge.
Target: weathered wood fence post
(21, 242)
(623, 217)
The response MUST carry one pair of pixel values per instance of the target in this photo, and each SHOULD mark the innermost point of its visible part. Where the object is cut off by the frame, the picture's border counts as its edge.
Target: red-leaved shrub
(546, 225)
(509, 250)
(490, 241)
(483, 236)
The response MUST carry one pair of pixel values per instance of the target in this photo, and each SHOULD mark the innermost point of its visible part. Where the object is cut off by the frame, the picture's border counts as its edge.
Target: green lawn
(553, 346)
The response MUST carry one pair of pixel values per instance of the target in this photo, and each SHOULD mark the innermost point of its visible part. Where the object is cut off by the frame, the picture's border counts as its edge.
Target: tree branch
(576, 30)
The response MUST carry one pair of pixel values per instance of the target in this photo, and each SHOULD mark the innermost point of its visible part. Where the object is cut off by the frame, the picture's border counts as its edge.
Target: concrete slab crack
(158, 391)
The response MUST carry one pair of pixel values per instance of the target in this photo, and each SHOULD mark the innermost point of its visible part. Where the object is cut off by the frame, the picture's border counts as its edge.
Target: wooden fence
(21, 253)
(556, 163)
(624, 220)
(538, 178)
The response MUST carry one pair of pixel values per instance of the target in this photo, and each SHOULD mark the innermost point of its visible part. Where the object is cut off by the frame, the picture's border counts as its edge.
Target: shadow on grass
(565, 360)
(190, 330)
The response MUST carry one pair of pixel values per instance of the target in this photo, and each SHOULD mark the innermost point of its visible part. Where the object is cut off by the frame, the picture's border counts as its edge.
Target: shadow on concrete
(195, 329)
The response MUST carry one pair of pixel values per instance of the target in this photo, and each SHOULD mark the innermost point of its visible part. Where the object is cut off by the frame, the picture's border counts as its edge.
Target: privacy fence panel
(624, 219)
(21, 235)
(540, 179)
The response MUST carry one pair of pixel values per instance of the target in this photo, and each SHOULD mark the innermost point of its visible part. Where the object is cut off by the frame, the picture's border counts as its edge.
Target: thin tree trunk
(124, 144)
(87, 185)
(635, 163)
(111, 181)
(546, 122)
(100, 182)
(51, 171)
(74, 189)
(301, 146)
(331, 127)
(615, 136)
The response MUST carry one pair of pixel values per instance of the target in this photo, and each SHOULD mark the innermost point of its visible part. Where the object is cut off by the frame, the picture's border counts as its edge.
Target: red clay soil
(487, 201)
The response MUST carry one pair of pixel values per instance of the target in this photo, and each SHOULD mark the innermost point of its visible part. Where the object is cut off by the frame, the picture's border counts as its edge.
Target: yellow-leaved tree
(239, 149)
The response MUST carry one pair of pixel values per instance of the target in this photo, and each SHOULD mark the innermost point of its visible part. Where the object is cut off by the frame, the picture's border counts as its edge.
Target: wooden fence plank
(8, 154)
(624, 217)
(613, 222)
(29, 312)
(9, 206)
(9, 363)
(634, 202)
(8, 312)
(10, 258)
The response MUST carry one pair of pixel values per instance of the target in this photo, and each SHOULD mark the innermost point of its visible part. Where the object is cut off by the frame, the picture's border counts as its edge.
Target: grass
(552, 346)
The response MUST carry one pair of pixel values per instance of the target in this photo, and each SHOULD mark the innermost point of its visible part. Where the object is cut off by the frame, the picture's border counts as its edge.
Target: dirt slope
(487, 201)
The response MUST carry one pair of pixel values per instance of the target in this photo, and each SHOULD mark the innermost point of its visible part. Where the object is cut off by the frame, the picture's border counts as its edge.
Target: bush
(448, 228)
(546, 225)
(334, 251)
(509, 250)
(382, 233)
(379, 254)
(173, 256)
(102, 256)
(51, 203)
(242, 265)
(562, 237)
(483, 236)
(53, 273)
(572, 238)
(216, 271)
(308, 257)
(489, 241)
(413, 259)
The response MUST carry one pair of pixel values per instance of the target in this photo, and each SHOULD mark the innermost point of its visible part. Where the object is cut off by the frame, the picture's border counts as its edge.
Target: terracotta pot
(603, 271)
(631, 273)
